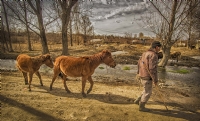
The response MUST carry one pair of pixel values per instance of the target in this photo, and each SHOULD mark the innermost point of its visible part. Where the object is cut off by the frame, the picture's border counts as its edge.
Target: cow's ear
(47, 56)
(85, 57)
(106, 51)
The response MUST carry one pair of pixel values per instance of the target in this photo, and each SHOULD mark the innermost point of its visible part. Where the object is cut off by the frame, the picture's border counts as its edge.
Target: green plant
(101, 67)
(126, 68)
(181, 71)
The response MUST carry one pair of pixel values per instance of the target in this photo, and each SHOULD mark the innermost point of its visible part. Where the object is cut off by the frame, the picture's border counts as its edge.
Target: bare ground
(109, 100)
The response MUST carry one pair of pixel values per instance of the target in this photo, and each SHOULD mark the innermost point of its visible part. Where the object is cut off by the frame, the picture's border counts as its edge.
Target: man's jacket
(149, 60)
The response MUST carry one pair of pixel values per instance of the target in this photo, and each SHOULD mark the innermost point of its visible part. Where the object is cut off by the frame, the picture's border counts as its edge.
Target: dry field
(111, 101)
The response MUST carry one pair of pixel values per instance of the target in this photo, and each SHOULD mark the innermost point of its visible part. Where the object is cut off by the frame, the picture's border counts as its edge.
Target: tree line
(38, 16)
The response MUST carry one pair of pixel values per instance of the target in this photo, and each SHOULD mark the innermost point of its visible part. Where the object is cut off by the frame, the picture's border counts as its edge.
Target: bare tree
(196, 20)
(36, 6)
(20, 14)
(26, 24)
(86, 27)
(190, 22)
(3, 38)
(167, 23)
(7, 26)
(76, 11)
(128, 35)
(64, 10)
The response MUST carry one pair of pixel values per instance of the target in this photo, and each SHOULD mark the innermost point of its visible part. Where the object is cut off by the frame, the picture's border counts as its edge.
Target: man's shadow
(176, 110)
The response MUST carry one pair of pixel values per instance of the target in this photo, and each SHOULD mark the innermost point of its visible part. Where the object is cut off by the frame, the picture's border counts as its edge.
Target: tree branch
(159, 12)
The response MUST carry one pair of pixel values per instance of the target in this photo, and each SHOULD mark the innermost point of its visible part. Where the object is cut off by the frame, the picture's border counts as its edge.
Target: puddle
(119, 52)
(10, 65)
(125, 74)
(196, 57)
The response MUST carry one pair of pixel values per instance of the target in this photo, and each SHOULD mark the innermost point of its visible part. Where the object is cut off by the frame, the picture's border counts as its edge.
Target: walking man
(147, 70)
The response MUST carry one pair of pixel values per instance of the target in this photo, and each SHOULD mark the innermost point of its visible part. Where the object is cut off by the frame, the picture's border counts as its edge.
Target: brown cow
(31, 65)
(160, 55)
(81, 67)
(175, 55)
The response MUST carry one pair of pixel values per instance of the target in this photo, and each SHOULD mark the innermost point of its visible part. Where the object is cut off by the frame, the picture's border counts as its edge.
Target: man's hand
(155, 83)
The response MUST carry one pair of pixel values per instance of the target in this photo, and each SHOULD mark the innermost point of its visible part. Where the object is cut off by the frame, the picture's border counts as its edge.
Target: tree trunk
(166, 57)
(64, 43)
(43, 36)
(29, 40)
(167, 47)
(65, 22)
(42, 30)
(85, 38)
(27, 29)
(5, 45)
(70, 31)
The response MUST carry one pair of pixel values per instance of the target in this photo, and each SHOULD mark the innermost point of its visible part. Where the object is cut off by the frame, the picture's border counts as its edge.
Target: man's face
(158, 49)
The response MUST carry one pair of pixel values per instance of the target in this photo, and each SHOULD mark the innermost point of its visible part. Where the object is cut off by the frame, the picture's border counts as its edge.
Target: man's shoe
(142, 107)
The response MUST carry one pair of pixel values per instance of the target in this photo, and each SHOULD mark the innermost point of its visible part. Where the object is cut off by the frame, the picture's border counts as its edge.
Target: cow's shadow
(107, 97)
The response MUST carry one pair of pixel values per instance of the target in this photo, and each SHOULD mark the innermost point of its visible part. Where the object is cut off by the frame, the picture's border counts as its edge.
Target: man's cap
(156, 43)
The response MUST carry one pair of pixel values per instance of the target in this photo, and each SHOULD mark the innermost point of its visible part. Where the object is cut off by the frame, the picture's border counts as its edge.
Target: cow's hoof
(89, 91)
(84, 95)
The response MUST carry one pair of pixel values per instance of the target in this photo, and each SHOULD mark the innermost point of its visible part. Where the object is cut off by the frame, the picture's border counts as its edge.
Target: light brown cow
(31, 65)
(81, 67)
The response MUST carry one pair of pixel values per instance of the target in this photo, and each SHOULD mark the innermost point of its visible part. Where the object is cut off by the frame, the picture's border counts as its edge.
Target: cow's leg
(65, 85)
(172, 60)
(91, 84)
(30, 80)
(56, 73)
(25, 77)
(39, 76)
(83, 85)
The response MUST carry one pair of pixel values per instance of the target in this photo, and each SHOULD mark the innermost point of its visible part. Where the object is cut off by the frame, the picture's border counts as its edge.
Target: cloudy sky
(118, 16)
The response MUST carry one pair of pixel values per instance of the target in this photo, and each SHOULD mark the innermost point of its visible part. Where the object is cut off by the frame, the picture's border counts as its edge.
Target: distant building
(104, 1)
(108, 1)
(96, 40)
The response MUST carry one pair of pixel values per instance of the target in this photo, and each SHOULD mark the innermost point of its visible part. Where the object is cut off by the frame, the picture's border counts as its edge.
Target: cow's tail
(61, 75)
(57, 67)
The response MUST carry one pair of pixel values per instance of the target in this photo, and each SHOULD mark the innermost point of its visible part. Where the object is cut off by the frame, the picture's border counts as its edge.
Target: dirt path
(107, 102)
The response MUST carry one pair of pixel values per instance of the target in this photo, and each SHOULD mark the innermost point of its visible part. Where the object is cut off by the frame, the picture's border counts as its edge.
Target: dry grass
(185, 51)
